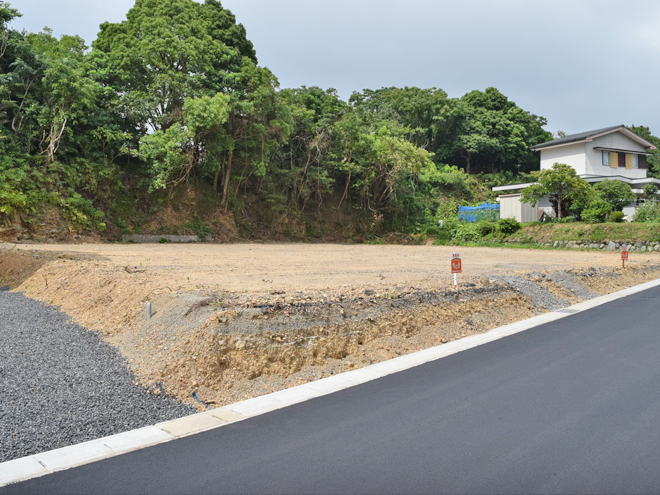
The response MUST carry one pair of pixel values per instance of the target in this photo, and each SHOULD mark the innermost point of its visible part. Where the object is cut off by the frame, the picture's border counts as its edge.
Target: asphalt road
(572, 406)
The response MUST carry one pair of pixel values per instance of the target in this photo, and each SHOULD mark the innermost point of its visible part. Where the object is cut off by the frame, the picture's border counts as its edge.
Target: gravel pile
(61, 384)
(540, 295)
(571, 283)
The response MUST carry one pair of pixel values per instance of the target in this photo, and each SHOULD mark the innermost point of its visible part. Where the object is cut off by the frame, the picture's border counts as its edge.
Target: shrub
(465, 232)
(486, 228)
(647, 213)
(445, 233)
(597, 211)
(508, 225)
(616, 216)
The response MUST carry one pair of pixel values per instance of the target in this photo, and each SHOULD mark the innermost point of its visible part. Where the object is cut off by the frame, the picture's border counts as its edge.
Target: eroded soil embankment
(227, 346)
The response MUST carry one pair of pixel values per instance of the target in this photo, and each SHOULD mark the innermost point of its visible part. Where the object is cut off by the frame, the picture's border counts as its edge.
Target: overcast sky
(580, 64)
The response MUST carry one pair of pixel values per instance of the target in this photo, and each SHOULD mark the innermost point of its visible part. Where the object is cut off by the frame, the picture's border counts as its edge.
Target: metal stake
(148, 311)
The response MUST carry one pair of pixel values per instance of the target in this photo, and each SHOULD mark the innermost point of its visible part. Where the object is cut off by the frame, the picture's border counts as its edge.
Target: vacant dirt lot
(263, 268)
(236, 321)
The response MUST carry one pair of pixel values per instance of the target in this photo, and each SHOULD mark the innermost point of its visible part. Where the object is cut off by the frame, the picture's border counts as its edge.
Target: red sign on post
(456, 263)
(624, 255)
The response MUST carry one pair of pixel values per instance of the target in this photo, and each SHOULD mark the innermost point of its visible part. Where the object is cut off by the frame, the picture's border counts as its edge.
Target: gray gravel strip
(540, 295)
(61, 384)
(571, 283)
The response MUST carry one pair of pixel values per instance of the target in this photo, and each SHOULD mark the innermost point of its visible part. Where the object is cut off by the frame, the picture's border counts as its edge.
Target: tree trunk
(54, 137)
(348, 183)
(559, 208)
(225, 186)
(215, 180)
(238, 185)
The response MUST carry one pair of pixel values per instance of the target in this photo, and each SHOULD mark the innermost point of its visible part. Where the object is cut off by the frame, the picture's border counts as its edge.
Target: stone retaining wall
(641, 246)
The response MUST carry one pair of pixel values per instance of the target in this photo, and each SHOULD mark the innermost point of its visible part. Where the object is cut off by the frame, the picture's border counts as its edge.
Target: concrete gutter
(76, 455)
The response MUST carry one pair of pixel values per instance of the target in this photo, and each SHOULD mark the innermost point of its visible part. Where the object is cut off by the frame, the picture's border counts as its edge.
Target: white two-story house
(613, 153)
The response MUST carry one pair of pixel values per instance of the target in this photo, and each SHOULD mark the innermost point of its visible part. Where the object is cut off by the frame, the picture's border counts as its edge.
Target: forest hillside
(168, 124)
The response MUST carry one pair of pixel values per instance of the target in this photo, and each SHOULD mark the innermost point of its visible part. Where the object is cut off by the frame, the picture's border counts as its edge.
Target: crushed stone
(541, 296)
(61, 384)
(571, 283)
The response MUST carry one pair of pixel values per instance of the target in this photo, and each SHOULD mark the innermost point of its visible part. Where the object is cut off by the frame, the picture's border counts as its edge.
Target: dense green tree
(650, 191)
(496, 134)
(175, 151)
(561, 183)
(48, 112)
(483, 130)
(67, 93)
(7, 14)
(167, 51)
(427, 114)
(617, 194)
(653, 161)
(306, 160)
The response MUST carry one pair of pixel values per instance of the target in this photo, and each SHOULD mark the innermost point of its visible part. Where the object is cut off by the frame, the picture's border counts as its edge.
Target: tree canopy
(616, 193)
(561, 183)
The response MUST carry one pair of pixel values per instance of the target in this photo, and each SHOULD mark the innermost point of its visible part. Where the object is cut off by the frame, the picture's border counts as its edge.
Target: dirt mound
(18, 266)
(219, 348)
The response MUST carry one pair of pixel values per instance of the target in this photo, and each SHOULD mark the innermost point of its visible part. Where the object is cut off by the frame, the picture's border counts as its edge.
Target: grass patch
(600, 232)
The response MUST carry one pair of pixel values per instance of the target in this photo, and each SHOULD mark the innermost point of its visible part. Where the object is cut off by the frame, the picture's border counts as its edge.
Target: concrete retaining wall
(151, 239)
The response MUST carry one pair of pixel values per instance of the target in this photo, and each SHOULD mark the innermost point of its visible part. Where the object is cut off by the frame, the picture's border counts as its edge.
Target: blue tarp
(485, 211)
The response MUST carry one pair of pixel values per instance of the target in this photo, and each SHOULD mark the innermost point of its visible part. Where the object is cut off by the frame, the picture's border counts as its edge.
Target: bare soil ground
(262, 268)
(236, 321)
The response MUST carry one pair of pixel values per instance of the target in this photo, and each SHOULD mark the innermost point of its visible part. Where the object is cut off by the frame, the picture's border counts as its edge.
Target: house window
(635, 161)
(606, 158)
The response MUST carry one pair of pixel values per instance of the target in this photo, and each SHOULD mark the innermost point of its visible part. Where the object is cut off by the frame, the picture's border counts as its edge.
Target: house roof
(590, 135)
(591, 179)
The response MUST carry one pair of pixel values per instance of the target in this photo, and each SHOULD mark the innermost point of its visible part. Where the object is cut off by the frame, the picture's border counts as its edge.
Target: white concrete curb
(103, 448)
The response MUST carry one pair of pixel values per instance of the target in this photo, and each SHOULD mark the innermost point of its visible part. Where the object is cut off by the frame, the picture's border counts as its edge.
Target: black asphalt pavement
(572, 406)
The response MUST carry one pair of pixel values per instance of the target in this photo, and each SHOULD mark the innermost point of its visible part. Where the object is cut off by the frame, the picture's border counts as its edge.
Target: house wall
(616, 140)
(630, 210)
(572, 154)
(544, 202)
(588, 161)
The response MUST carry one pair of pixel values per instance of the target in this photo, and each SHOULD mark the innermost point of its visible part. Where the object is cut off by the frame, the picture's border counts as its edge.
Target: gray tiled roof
(575, 137)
